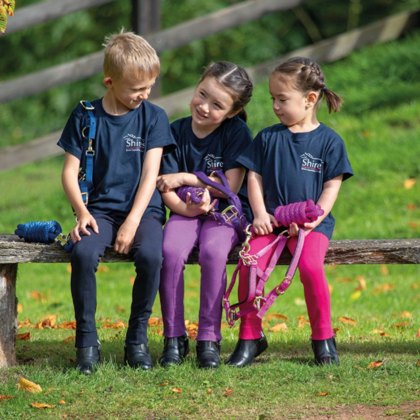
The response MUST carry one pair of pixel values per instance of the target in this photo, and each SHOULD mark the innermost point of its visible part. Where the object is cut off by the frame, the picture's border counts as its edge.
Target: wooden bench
(14, 251)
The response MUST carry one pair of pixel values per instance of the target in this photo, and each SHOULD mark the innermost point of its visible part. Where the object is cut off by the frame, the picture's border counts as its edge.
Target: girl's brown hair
(235, 79)
(306, 75)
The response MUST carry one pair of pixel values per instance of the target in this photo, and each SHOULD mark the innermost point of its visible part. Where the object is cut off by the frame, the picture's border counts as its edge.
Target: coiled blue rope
(45, 232)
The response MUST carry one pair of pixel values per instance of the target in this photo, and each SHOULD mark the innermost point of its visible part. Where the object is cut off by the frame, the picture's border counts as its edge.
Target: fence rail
(174, 37)
(327, 50)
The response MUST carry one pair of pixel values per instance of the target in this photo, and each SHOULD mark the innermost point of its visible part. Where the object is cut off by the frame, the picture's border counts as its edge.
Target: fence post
(8, 314)
(145, 19)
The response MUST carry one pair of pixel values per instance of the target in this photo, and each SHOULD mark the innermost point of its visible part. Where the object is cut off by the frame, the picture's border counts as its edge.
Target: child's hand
(169, 182)
(125, 236)
(293, 229)
(263, 224)
(83, 221)
(204, 206)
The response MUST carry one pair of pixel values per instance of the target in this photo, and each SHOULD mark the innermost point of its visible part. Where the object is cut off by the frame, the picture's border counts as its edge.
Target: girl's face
(211, 104)
(291, 106)
(128, 92)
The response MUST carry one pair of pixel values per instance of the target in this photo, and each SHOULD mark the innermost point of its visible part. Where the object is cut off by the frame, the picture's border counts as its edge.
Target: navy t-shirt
(217, 151)
(295, 166)
(120, 146)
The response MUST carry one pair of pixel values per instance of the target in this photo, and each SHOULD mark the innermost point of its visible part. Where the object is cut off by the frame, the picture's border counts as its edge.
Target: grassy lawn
(375, 308)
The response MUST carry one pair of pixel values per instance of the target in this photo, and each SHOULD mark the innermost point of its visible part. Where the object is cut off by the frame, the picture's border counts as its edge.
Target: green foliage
(378, 322)
(81, 33)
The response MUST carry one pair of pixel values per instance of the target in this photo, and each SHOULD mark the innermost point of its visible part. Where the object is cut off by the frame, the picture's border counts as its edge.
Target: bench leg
(8, 314)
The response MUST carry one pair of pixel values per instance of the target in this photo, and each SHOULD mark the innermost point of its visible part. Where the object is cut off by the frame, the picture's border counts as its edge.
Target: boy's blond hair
(127, 52)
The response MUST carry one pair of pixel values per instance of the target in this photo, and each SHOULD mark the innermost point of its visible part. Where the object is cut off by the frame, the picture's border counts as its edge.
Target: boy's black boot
(246, 351)
(325, 351)
(208, 354)
(175, 349)
(137, 356)
(87, 359)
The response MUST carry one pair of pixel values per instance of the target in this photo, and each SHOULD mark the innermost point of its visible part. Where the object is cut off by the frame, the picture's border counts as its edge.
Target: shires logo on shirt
(133, 143)
(213, 162)
(310, 163)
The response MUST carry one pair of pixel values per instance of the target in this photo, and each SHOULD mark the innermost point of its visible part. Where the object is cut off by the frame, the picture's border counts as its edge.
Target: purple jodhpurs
(215, 241)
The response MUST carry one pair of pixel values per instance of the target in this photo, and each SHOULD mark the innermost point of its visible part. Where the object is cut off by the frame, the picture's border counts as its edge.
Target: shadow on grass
(58, 354)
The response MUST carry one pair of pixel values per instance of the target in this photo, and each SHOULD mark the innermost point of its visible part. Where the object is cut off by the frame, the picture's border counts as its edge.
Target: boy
(124, 209)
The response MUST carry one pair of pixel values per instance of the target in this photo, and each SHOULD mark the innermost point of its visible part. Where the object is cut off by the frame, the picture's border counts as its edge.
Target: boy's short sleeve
(70, 140)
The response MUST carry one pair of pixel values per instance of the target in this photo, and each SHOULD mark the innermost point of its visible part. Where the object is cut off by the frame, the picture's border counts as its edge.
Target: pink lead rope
(300, 213)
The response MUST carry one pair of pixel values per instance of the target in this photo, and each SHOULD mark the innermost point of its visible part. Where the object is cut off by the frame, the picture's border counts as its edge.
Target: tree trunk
(8, 314)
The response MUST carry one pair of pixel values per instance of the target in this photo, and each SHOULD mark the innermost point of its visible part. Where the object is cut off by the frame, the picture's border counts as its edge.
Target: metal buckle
(257, 302)
(247, 259)
(229, 213)
(62, 239)
(282, 287)
(231, 317)
(88, 108)
(85, 197)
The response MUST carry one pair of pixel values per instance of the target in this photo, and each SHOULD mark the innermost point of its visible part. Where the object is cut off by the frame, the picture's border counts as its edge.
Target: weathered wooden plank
(8, 314)
(323, 51)
(45, 11)
(170, 38)
(369, 251)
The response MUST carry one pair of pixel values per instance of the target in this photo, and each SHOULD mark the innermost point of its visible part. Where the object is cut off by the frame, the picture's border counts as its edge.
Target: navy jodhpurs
(85, 258)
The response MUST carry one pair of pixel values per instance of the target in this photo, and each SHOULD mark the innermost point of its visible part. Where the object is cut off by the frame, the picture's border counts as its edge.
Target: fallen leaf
(25, 323)
(276, 316)
(154, 320)
(61, 402)
(164, 383)
(67, 325)
(323, 394)
(24, 336)
(103, 268)
(6, 397)
(279, 327)
(41, 406)
(406, 314)
(375, 365)
(409, 183)
(384, 288)
(361, 283)
(228, 392)
(384, 270)
(300, 302)
(192, 330)
(302, 321)
(19, 308)
(411, 207)
(132, 280)
(36, 295)
(27, 385)
(177, 390)
(47, 322)
(114, 325)
(402, 324)
(356, 295)
(347, 320)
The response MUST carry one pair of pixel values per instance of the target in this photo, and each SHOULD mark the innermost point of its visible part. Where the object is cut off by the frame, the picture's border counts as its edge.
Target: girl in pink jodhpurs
(296, 160)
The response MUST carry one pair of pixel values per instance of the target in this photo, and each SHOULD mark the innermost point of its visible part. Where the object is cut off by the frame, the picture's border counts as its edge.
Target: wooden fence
(325, 51)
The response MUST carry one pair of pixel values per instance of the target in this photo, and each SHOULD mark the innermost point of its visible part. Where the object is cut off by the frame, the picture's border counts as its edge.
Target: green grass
(381, 128)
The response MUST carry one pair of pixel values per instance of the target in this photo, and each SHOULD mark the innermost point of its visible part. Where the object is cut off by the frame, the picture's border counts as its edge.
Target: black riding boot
(325, 352)
(175, 349)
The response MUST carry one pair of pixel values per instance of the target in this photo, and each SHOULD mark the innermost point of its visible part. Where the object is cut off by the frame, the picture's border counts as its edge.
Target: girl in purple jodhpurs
(211, 139)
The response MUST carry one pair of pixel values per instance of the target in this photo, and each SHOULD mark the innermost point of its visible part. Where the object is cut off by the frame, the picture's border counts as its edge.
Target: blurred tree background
(83, 32)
